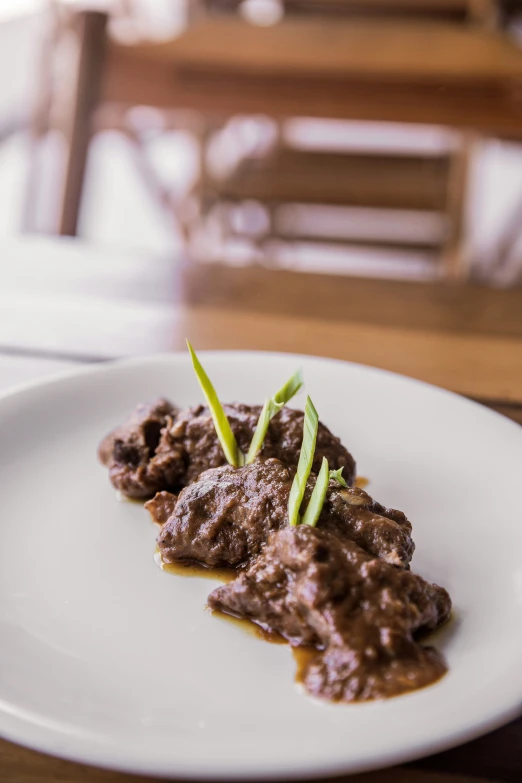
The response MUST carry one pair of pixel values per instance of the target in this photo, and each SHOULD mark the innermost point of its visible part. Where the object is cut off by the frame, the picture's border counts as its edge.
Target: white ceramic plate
(108, 660)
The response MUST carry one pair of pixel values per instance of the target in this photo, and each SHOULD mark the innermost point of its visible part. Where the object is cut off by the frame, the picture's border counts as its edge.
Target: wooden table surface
(61, 304)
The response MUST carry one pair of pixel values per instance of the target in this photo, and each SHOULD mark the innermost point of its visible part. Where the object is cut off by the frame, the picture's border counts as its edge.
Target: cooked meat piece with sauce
(383, 532)
(162, 449)
(195, 428)
(377, 671)
(359, 611)
(139, 465)
(161, 507)
(224, 518)
(143, 427)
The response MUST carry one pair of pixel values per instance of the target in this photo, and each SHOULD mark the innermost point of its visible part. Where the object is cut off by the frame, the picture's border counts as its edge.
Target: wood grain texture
(496, 756)
(486, 367)
(383, 49)
(463, 338)
(346, 179)
(444, 8)
(20, 765)
(511, 411)
(439, 307)
(366, 70)
(78, 123)
(454, 10)
(492, 108)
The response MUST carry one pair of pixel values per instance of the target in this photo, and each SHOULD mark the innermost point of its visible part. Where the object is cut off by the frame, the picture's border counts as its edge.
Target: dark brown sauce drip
(304, 657)
(426, 636)
(251, 628)
(224, 575)
(122, 498)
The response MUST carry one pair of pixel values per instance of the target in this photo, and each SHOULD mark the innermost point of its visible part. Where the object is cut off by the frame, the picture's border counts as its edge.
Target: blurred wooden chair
(441, 10)
(465, 76)
(435, 183)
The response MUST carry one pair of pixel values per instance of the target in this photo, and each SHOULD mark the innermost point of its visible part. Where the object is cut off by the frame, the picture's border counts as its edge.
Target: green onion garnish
(306, 458)
(224, 432)
(270, 408)
(337, 475)
(290, 389)
(315, 506)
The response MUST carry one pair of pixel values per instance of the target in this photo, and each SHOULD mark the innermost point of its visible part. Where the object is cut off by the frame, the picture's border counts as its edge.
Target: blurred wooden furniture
(452, 10)
(466, 77)
(60, 301)
(376, 181)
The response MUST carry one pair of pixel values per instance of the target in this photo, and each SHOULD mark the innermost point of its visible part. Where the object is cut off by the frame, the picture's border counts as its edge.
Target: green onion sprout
(271, 407)
(315, 506)
(337, 475)
(224, 432)
(290, 389)
(306, 458)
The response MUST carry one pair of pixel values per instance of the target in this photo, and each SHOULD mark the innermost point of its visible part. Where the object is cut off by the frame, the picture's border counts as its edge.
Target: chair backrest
(443, 10)
(509, 8)
(454, 10)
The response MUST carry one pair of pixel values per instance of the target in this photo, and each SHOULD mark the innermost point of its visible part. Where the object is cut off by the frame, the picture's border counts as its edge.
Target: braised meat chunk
(194, 429)
(360, 612)
(224, 518)
(139, 465)
(382, 532)
(160, 448)
(313, 558)
(161, 507)
(284, 438)
(194, 435)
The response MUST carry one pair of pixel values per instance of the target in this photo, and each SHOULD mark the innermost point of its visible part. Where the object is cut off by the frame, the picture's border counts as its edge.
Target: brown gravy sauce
(224, 575)
(303, 657)
(122, 498)
(427, 637)
(251, 628)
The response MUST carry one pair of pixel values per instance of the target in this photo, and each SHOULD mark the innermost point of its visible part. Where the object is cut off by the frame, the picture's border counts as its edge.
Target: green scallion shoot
(290, 389)
(224, 432)
(315, 506)
(270, 409)
(337, 475)
(306, 458)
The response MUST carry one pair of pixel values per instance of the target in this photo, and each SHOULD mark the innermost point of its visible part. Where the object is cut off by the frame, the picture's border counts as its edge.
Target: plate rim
(105, 365)
(81, 750)
(118, 763)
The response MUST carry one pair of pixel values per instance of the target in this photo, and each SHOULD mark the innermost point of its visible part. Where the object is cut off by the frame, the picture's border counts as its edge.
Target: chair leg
(508, 241)
(39, 123)
(196, 205)
(78, 125)
(456, 261)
